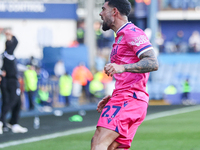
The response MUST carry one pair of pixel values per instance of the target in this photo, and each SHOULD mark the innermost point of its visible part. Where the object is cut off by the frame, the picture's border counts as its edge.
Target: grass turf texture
(177, 132)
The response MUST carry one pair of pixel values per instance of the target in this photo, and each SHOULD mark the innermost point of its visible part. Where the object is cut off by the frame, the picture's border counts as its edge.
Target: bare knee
(103, 138)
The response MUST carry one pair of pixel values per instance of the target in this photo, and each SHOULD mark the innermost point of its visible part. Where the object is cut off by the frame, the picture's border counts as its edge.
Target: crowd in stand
(60, 89)
(177, 44)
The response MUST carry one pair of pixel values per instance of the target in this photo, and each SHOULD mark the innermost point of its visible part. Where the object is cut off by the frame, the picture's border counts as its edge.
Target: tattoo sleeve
(148, 62)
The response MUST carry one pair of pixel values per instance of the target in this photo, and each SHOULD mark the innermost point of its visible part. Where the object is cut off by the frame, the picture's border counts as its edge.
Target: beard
(105, 26)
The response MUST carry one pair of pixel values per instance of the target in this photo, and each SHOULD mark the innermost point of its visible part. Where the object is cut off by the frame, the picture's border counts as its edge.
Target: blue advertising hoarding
(38, 10)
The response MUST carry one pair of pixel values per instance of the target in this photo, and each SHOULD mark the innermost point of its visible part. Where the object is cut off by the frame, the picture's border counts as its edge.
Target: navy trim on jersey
(124, 27)
(143, 49)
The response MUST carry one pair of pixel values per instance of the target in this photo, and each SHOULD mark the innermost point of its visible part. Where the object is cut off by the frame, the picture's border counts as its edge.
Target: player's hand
(112, 68)
(102, 103)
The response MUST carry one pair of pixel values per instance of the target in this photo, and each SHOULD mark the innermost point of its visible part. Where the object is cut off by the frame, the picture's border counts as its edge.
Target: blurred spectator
(30, 83)
(65, 86)
(170, 90)
(185, 93)
(42, 74)
(81, 75)
(160, 41)
(10, 88)
(194, 42)
(44, 99)
(81, 32)
(99, 35)
(96, 88)
(170, 47)
(105, 78)
(59, 68)
(34, 62)
(181, 46)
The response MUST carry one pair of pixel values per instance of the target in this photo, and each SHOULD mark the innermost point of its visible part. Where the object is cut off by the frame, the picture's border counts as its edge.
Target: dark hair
(124, 6)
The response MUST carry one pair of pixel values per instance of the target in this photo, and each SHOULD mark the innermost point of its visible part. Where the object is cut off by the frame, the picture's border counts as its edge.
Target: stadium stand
(174, 69)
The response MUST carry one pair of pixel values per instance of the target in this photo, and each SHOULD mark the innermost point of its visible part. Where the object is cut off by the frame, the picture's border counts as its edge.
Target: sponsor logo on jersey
(139, 40)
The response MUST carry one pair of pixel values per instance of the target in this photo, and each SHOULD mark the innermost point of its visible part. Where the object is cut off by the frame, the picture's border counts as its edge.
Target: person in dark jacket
(11, 88)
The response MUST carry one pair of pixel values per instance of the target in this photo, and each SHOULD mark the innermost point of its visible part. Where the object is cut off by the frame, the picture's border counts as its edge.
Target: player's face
(106, 16)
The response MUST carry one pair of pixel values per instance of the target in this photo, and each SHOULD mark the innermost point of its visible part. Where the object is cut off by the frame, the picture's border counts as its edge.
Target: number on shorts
(104, 114)
(108, 108)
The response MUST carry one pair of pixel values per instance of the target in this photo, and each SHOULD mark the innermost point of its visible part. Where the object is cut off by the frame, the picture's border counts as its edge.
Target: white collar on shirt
(122, 27)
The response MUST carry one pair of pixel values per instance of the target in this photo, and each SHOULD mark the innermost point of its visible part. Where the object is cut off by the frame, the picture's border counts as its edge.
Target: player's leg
(103, 138)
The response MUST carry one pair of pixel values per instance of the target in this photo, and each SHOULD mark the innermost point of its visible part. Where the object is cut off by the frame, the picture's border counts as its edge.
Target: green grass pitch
(177, 132)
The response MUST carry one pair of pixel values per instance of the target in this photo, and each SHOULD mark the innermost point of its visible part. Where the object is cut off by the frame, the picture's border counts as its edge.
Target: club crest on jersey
(139, 40)
(119, 40)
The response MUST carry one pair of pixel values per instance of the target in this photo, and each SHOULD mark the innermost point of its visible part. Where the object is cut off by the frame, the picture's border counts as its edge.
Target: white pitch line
(172, 112)
(91, 128)
(49, 136)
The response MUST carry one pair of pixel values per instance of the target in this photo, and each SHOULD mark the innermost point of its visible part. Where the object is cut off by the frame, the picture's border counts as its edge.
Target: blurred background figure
(99, 35)
(11, 87)
(59, 68)
(170, 90)
(96, 87)
(43, 99)
(194, 41)
(80, 31)
(65, 88)
(82, 75)
(160, 41)
(30, 83)
(186, 92)
(178, 40)
(34, 62)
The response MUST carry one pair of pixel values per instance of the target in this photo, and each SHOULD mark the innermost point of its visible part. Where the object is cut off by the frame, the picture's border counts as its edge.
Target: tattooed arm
(148, 62)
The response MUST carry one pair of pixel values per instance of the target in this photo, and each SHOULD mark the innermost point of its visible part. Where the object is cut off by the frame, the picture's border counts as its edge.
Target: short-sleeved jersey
(130, 43)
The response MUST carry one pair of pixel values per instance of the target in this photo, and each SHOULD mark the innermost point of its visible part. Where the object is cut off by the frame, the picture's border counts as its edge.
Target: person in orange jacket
(82, 75)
